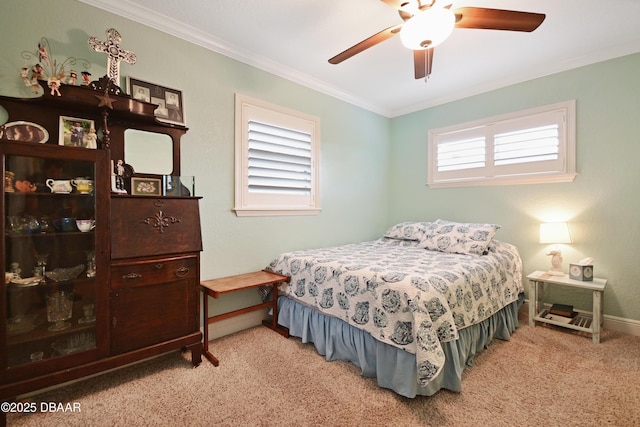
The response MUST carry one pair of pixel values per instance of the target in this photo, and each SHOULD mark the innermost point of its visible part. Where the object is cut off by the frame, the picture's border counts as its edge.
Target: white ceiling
(295, 38)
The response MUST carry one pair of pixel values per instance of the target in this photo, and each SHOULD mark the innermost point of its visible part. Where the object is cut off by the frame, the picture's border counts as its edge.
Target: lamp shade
(428, 28)
(554, 232)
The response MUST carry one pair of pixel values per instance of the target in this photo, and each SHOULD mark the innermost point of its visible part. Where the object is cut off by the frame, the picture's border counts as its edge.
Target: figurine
(9, 177)
(54, 84)
(24, 74)
(117, 178)
(73, 77)
(43, 55)
(32, 81)
(91, 139)
(120, 175)
(86, 78)
(36, 72)
(91, 265)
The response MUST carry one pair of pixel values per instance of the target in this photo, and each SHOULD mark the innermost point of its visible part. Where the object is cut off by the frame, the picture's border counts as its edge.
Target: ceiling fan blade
(422, 62)
(497, 19)
(366, 44)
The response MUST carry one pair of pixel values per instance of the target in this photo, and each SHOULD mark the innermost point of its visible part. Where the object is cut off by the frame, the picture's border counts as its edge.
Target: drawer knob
(182, 271)
(132, 276)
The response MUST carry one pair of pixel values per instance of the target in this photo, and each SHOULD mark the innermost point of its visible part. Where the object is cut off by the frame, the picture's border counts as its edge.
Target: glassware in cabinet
(50, 268)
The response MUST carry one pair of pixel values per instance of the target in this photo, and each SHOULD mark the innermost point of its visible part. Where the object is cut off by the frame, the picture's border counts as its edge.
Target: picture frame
(169, 101)
(144, 186)
(75, 132)
(24, 131)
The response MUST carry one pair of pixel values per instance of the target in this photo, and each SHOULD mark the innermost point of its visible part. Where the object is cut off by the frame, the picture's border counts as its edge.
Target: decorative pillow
(408, 231)
(459, 238)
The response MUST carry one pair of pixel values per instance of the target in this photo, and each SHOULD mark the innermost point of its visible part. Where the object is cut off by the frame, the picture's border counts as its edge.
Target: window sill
(511, 180)
(276, 211)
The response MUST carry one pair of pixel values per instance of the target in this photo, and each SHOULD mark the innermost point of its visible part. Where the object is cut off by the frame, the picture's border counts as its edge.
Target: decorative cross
(114, 53)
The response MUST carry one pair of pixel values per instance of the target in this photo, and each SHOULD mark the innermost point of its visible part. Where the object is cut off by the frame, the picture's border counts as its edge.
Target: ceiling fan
(428, 23)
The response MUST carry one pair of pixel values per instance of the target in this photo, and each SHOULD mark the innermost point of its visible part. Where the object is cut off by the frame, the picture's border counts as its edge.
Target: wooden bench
(216, 287)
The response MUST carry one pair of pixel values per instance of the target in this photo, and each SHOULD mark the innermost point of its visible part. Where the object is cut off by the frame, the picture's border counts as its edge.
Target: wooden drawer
(147, 226)
(153, 300)
(150, 272)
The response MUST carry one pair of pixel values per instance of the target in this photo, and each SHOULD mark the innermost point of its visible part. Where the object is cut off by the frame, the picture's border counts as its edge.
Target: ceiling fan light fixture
(428, 29)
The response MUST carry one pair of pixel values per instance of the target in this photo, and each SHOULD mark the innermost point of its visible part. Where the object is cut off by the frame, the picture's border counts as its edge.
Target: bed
(411, 308)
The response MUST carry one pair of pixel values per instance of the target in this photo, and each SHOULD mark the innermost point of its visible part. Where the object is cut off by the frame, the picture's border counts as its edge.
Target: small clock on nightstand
(581, 272)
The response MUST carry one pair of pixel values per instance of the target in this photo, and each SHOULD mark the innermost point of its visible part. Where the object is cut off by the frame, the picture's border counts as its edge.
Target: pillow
(400, 242)
(459, 238)
(408, 231)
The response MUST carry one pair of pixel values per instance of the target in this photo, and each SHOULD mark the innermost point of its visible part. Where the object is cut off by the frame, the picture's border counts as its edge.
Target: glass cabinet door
(49, 256)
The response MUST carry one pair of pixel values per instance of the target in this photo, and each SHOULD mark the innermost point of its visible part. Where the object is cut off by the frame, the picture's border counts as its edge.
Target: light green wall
(601, 205)
(373, 168)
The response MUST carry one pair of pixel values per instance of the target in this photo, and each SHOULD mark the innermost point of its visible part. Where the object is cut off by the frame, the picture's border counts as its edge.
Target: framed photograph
(142, 186)
(169, 101)
(76, 132)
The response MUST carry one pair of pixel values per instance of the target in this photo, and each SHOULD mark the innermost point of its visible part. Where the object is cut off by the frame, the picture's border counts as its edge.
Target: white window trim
(246, 204)
(567, 141)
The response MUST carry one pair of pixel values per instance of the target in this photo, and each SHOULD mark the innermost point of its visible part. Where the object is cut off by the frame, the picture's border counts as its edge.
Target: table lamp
(555, 233)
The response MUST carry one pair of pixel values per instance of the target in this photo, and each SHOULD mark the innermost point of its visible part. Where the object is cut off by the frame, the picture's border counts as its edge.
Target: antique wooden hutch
(74, 302)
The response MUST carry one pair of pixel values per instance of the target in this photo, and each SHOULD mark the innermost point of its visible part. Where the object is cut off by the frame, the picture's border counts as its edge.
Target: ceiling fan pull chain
(427, 67)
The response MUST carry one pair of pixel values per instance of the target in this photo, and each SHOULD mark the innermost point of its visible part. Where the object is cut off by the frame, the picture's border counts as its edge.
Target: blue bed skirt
(393, 368)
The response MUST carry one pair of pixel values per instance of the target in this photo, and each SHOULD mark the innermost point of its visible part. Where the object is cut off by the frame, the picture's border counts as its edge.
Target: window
(277, 160)
(531, 146)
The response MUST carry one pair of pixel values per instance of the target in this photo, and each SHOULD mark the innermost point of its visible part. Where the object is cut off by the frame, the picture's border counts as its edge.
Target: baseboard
(618, 324)
(236, 324)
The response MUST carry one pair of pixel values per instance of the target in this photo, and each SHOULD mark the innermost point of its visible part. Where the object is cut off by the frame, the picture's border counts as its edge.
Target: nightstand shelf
(581, 322)
(585, 322)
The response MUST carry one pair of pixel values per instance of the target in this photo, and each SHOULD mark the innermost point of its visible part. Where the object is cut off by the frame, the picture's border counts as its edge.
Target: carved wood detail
(160, 221)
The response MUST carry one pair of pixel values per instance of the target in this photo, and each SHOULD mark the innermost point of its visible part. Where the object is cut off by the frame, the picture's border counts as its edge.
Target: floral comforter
(404, 296)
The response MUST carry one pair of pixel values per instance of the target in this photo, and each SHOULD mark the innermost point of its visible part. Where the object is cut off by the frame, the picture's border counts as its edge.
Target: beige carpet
(543, 376)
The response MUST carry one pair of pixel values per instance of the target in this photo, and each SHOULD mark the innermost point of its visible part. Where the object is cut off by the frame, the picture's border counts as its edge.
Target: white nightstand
(586, 322)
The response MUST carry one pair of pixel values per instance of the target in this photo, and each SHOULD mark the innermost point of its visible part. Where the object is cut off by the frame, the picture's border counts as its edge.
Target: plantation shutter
(526, 145)
(279, 159)
(533, 146)
(461, 154)
(529, 144)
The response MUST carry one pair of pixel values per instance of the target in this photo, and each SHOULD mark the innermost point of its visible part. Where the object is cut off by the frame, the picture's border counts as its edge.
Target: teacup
(64, 224)
(59, 185)
(83, 185)
(85, 225)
